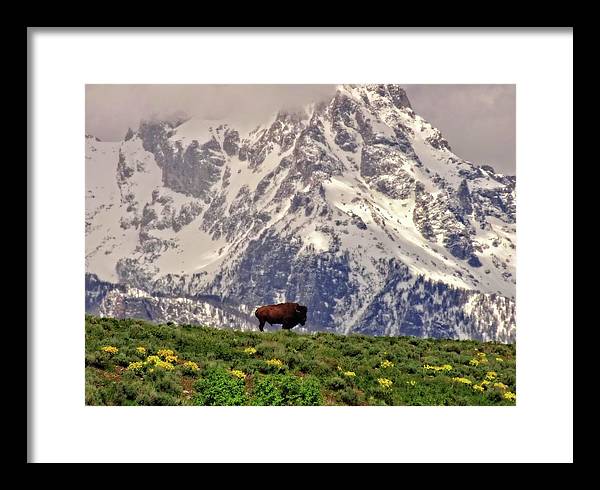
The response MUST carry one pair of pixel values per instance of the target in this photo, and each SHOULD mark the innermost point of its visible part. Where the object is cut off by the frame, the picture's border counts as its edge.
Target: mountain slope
(357, 208)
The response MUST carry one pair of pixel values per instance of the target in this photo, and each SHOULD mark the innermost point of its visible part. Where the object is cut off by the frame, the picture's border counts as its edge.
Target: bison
(286, 314)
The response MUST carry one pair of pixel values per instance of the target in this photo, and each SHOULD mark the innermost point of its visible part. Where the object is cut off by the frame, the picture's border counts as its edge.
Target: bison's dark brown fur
(286, 314)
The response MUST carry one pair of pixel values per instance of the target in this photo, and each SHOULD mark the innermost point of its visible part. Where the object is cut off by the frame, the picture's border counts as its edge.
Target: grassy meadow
(132, 362)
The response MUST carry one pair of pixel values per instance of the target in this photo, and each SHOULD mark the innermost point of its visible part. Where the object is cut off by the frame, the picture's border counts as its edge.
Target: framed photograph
(317, 250)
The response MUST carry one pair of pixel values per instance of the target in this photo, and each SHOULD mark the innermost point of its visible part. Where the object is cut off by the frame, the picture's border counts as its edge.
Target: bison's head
(301, 314)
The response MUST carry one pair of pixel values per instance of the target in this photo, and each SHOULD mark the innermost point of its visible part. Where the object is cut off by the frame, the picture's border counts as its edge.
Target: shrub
(219, 387)
(350, 350)
(93, 394)
(167, 382)
(336, 383)
(148, 394)
(96, 359)
(453, 348)
(349, 397)
(267, 392)
(220, 350)
(495, 395)
(285, 389)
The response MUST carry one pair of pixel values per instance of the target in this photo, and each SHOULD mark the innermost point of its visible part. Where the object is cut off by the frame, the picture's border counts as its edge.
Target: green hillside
(131, 362)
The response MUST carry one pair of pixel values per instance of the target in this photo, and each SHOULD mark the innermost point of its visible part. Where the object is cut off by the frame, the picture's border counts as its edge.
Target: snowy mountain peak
(377, 93)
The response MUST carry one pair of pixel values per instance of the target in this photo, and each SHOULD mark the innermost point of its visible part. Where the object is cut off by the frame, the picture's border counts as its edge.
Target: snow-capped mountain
(357, 208)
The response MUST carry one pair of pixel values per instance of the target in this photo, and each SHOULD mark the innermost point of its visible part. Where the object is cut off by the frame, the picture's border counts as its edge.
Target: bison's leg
(288, 325)
(261, 325)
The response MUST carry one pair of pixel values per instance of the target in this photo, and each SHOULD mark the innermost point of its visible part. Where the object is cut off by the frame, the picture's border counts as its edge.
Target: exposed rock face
(357, 208)
(192, 170)
(231, 142)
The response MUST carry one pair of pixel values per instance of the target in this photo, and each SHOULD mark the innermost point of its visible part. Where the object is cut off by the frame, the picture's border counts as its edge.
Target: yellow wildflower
(165, 365)
(165, 353)
(387, 364)
(509, 395)
(190, 366)
(499, 359)
(135, 366)
(141, 350)
(412, 382)
(466, 381)
(349, 373)
(110, 349)
(480, 358)
(478, 388)
(275, 363)
(445, 367)
(491, 375)
(385, 383)
(238, 374)
(159, 363)
(502, 386)
(171, 358)
(485, 382)
(250, 350)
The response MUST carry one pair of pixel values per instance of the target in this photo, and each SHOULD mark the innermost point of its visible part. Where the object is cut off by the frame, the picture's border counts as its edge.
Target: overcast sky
(477, 120)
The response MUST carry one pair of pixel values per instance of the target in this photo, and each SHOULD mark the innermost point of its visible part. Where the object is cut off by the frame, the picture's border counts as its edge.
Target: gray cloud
(111, 109)
(477, 120)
